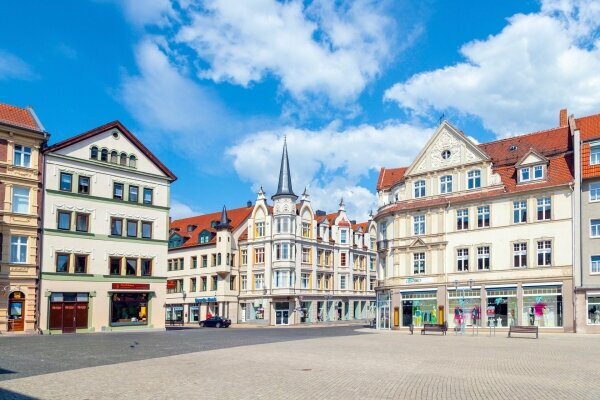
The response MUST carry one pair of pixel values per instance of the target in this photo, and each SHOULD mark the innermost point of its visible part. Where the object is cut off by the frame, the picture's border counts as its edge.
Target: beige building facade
(22, 137)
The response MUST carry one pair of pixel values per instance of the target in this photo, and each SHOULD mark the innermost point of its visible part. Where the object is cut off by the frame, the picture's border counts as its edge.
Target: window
(203, 286)
(259, 255)
(418, 263)
(283, 225)
(83, 187)
(113, 157)
(104, 155)
(218, 259)
(520, 254)
(194, 262)
(260, 229)
(192, 284)
(419, 224)
(544, 253)
(204, 261)
(519, 212)
(305, 229)
(595, 228)
(82, 222)
(204, 237)
(132, 161)
(525, 174)
(115, 266)
(446, 154)
(595, 265)
(146, 230)
(593, 309)
(594, 155)
(244, 282)
(543, 209)
(94, 153)
(343, 259)
(306, 255)
(80, 264)
(232, 282)
(244, 257)
(133, 194)
(116, 226)
(282, 251)
(343, 236)
(304, 280)
(66, 182)
(419, 189)
(538, 172)
(282, 279)
(18, 249)
(22, 156)
(148, 194)
(483, 258)
(483, 216)
(214, 260)
(62, 262)
(118, 191)
(130, 266)
(20, 200)
(462, 258)
(215, 280)
(146, 265)
(446, 184)
(594, 191)
(462, 219)
(343, 285)
(259, 281)
(123, 159)
(474, 179)
(132, 228)
(64, 220)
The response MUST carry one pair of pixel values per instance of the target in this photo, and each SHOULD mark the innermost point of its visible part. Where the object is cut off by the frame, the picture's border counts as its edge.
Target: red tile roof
(388, 177)
(203, 222)
(19, 117)
(589, 127)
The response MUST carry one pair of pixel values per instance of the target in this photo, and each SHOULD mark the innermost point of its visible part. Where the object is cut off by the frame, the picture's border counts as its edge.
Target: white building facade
(105, 218)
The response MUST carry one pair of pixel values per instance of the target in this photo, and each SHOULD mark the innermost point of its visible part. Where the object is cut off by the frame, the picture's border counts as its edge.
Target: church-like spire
(224, 221)
(284, 188)
(342, 205)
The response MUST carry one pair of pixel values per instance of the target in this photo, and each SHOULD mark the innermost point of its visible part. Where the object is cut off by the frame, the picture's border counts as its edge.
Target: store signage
(409, 281)
(171, 284)
(206, 299)
(131, 286)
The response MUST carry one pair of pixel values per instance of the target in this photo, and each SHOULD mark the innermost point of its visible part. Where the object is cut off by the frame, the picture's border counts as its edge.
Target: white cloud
(180, 210)
(331, 161)
(321, 49)
(517, 80)
(13, 67)
(155, 12)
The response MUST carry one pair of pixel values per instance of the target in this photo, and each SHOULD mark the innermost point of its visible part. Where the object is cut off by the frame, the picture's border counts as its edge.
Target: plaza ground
(346, 362)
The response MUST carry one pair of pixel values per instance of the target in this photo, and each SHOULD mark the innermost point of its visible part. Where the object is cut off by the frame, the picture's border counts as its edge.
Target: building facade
(477, 234)
(106, 218)
(22, 137)
(586, 136)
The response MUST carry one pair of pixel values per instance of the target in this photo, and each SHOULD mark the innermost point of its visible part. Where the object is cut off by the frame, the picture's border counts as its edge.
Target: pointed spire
(342, 205)
(261, 194)
(370, 215)
(224, 221)
(305, 195)
(284, 187)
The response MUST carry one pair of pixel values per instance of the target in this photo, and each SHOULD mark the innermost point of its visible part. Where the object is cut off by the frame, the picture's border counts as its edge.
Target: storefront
(542, 306)
(464, 307)
(419, 308)
(282, 313)
(304, 311)
(253, 310)
(174, 313)
(16, 312)
(501, 308)
(383, 310)
(129, 309)
(593, 309)
(68, 312)
(194, 313)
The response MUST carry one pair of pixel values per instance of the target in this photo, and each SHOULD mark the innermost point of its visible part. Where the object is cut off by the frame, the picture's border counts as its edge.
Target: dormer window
(528, 174)
(595, 155)
(419, 189)
(190, 228)
(538, 172)
(204, 237)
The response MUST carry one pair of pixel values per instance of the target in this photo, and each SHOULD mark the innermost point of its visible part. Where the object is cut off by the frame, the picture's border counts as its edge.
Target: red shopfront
(129, 304)
(69, 311)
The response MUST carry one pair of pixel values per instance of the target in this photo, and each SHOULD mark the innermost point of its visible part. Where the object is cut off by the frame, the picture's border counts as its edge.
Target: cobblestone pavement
(367, 366)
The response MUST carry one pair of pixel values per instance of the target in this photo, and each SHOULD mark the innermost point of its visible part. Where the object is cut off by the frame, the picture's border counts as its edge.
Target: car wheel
(218, 325)
(201, 324)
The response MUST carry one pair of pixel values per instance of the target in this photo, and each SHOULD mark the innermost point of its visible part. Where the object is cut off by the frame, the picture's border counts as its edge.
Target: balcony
(382, 245)
(222, 269)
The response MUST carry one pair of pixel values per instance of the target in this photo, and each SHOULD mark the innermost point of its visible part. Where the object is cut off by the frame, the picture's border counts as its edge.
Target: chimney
(563, 118)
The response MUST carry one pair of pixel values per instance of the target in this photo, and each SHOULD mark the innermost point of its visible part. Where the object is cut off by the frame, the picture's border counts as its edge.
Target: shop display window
(129, 309)
(501, 310)
(464, 308)
(542, 307)
(593, 310)
(419, 308)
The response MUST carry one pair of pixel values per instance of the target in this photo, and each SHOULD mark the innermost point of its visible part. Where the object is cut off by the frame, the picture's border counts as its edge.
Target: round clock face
(446, 154)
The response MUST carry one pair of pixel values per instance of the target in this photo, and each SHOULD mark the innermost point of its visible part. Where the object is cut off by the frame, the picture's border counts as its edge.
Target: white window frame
(544, 248)
(260, 229)
(594, 228)
(595, 264)
(419, 189)
(545, 204)
(18, 249)
(259, 251)
(20, 199)
(418, 263)
(594, 192)
(343, 282)
(520, 206)
(306, 255)
(259, 281)
(22, 156)
(474, 179)
(483, 253)
(520, 251)
(244, 282)
(282, 251)
(446, 184)
(537, 168)
(343, 236)
(304, 280)
(594, 155)
(482, 211)
(522, 172)
(462, 259)
(419, 224)
(462, 219)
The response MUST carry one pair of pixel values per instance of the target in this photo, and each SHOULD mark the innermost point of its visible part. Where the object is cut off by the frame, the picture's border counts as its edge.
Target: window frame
(146, 223)
(462, 259)
(483, 256)
(592, 261)
(150, 268)
(112, 224)
(58, 214)
(60, 182)
(419, 225)
(19, 246)
(474, 179)
(18, 197)
(23, 154)
(122, 187)
(419, 189)
(79, 257)
(597, 235)
(595, 190)
(545, 252)
(151, 192)
(136, 193)
(419, 267)
(462, 219)
(127, 260)
(522, 253)
(482, 212)
(128, 221)
(594, 154)
(522, 210)
(544, 206)
(87, 222)
(446, 184)
(59, 255)
(79, 186)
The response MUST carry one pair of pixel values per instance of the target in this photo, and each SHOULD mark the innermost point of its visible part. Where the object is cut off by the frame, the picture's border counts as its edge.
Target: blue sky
(213, 86)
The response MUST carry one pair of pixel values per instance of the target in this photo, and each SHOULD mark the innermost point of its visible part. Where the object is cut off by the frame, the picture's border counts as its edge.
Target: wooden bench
(443, 328)
(523, 329)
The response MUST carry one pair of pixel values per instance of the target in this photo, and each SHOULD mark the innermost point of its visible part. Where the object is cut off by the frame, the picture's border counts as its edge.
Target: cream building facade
(106, 218)
(22, 137)
(474, 234)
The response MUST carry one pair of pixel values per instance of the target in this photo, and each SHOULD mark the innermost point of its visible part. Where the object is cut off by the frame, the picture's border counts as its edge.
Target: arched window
(132, 161)
(104, 155)
(113, 157)
(123, 159)
(474, 179)
(94, 153)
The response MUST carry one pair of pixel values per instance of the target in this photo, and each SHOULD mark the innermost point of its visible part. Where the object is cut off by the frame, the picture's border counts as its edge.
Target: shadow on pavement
(6, 394)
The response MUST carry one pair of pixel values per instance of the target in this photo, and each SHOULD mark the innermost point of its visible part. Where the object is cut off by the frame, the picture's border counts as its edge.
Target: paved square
(343, 363)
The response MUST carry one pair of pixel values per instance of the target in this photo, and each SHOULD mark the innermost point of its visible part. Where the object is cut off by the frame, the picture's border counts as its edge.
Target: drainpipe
(576, 219)
(41, 199)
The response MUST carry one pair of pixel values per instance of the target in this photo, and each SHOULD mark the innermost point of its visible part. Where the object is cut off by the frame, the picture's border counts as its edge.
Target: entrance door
(282, 317)
(16, 308)
(68, 321)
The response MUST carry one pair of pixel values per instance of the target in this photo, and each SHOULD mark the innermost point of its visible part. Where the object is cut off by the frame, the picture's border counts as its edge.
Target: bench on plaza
(523, 329)
(442, 328)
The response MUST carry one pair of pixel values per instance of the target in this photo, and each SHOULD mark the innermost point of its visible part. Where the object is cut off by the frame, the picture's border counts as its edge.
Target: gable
(457, 146)
(532, 157)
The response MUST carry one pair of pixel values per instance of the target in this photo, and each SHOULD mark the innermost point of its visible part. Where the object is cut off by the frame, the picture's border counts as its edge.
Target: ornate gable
(447, 148)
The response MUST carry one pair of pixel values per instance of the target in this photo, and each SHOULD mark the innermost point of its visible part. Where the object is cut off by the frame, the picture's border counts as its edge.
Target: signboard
(206, 299)
(409, 281)
(171, 284)
(131, 286)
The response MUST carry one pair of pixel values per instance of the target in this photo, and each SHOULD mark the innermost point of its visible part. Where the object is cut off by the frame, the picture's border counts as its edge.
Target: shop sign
(131, 286)
(171, 284)
(410, 281)
(206, 299)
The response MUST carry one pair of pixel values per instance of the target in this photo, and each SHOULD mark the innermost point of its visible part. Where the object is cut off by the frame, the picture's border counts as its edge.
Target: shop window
(419, 308)
(544, 209)
(148, 196)
(464, 308)
(82, 222)
(116, 227)
(22, 156)
(146, 267)
(129, 309)
(66, 182)
(62, 262)
(543, 307)
(117, 191)
(593, 310)
(83, 185)
(146, 230)
(64, 220)
(501, 310)
(80, 264)
(115, 266)
(483, 217)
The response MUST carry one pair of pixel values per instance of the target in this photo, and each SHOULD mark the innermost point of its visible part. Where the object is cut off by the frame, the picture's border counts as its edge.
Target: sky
(212, 87)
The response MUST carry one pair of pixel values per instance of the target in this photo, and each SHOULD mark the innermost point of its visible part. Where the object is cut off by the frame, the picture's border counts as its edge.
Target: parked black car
(216, 322)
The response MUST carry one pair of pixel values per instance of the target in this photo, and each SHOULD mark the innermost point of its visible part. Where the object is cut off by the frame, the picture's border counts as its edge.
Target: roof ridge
(233, 210)
(523, 135)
